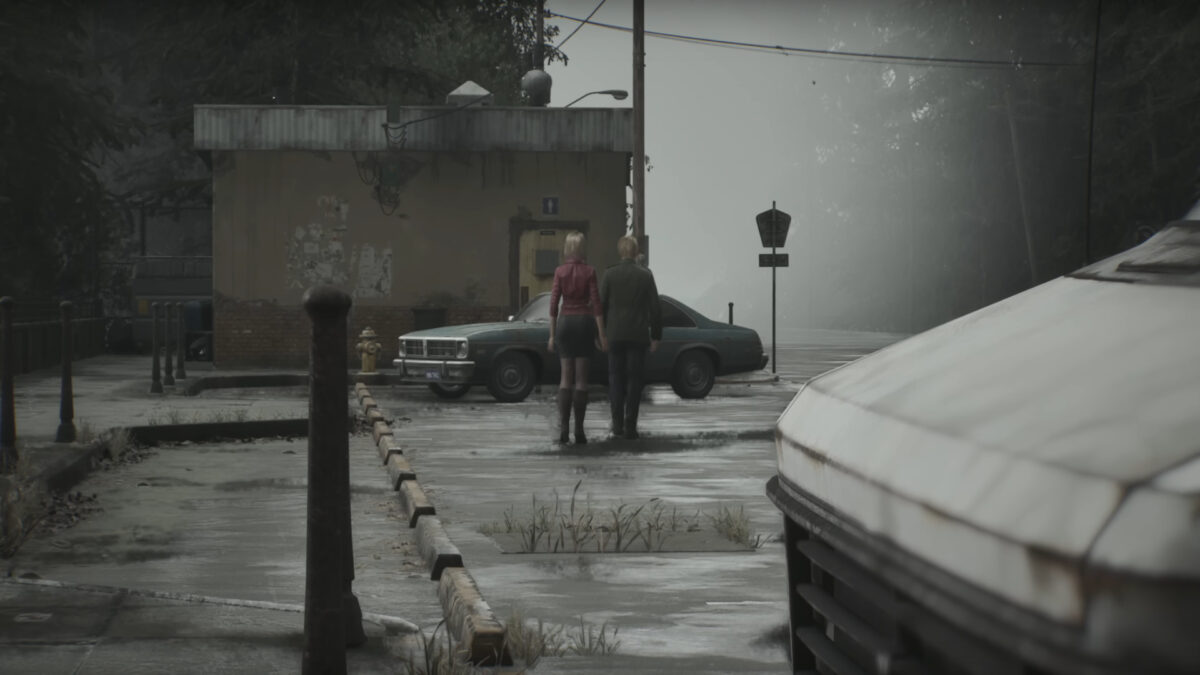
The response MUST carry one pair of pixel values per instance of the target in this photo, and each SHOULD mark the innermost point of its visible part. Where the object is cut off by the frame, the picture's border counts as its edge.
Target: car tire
(694, 374)
(512, 377)
(449, 390)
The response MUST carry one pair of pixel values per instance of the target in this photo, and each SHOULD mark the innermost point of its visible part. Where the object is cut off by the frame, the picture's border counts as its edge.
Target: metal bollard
(168, 330)
(731, 314)
(66, 406)
(332, 616)
(181, 341)
(155, 373)
(8, 419)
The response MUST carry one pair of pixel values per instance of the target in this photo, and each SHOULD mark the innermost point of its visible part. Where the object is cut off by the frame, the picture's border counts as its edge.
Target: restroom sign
(549, 206)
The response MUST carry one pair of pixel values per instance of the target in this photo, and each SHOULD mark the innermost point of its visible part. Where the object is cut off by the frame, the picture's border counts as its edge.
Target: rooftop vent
(469, 93)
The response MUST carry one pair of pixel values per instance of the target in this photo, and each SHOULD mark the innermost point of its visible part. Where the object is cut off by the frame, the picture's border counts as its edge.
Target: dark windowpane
(673, 317)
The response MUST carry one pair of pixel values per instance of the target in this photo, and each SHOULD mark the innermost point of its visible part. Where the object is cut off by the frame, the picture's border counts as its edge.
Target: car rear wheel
(694, 374)
(449, 390)
(512, 377)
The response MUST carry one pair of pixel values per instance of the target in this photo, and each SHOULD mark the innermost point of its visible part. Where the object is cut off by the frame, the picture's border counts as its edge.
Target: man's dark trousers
(626, 364)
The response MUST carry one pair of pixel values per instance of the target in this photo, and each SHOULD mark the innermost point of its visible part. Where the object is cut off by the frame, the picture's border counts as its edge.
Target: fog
(918, 191)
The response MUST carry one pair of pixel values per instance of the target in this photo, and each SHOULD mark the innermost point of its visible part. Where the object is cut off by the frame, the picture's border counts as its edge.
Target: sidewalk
(65, 628)
(197, 562)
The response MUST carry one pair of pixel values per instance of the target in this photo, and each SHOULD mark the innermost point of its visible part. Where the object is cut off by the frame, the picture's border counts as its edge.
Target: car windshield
(537, 311)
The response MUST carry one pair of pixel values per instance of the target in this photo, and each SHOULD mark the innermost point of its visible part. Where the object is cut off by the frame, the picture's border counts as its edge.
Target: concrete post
(181, 342)
(155, 372)
(329, 605)
(8, 418)
(168, 347)
(66, 406)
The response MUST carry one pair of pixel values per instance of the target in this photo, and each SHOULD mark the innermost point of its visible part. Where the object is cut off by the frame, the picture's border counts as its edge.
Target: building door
(540, 253)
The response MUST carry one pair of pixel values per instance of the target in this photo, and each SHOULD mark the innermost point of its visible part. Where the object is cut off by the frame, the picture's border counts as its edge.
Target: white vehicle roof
(1032, 442)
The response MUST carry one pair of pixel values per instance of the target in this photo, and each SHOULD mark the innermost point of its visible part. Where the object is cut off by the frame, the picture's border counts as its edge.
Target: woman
(574, 329)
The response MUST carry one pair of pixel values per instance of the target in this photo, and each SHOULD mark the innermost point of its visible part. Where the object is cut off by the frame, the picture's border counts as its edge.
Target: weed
(437, 656)
(119, 441)
(592, 640)
(84, 433)
(735, 526)
(576, 527)
(528, 641)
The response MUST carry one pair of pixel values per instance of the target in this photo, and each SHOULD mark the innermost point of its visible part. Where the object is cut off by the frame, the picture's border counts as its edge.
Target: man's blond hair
(575, 246)
(627, 246)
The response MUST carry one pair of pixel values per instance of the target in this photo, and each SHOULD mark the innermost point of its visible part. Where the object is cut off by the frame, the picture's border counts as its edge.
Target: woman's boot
(564, 415)
(581, 401)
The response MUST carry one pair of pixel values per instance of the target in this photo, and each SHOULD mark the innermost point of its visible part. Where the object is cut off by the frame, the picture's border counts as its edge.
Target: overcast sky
(729, 130)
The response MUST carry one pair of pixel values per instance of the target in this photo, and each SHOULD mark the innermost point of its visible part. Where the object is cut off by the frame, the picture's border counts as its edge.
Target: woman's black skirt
(575, 336)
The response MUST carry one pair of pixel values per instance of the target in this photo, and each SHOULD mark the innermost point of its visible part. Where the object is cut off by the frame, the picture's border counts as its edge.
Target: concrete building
(425, 215)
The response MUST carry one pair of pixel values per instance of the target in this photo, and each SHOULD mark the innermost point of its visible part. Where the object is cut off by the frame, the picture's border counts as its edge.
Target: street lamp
(619, 94)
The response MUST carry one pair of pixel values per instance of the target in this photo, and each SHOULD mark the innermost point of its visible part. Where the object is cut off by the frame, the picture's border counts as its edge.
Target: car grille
(847, 620)
(435, 349)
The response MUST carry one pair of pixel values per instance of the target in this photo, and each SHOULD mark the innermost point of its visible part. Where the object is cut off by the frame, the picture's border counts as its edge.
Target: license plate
(433, 375)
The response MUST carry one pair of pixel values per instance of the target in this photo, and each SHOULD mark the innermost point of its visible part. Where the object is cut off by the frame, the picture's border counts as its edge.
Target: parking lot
(694, 602)
(226, 520)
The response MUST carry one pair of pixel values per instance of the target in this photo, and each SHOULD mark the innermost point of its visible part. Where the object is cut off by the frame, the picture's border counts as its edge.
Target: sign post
(772, 229)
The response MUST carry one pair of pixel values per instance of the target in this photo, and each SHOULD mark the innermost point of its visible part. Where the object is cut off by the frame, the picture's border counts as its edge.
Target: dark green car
(511, 358)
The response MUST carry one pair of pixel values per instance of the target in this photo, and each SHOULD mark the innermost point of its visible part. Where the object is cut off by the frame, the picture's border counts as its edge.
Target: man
(633, 323)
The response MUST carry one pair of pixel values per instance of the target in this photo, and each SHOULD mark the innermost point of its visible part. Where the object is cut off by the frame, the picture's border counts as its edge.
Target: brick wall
(264, 333)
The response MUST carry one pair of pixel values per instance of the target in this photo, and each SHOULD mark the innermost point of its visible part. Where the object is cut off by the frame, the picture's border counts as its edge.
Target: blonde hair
(575, 246)
(627, 246)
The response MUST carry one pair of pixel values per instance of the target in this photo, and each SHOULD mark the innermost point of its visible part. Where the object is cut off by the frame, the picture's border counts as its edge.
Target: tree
(96, 100)
(57, 123)
(1146, 142)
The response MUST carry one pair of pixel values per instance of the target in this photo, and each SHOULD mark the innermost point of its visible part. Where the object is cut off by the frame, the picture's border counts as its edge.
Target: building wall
(284, 221)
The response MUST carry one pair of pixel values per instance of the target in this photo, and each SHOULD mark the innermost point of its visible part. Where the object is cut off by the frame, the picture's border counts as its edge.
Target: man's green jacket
(630, 300)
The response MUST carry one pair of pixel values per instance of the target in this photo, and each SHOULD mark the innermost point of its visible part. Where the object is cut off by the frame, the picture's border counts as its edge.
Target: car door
(679, 330)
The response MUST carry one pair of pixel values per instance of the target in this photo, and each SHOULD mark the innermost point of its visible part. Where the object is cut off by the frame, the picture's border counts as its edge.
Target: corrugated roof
(431, 128)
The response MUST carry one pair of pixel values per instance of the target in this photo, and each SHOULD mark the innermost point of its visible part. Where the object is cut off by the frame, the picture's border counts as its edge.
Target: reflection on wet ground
(229, 520)
(701, 611)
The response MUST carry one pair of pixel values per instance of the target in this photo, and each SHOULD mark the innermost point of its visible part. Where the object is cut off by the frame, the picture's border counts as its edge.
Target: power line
(581, 24)
(821, 53)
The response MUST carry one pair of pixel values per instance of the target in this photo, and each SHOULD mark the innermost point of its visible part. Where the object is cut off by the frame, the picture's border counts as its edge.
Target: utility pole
(539, 62)
(639, 124)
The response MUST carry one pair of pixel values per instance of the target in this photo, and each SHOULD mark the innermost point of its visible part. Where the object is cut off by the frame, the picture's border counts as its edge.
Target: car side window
(673, 317)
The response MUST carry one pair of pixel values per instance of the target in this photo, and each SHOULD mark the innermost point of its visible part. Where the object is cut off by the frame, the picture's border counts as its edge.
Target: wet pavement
(714, 611)
(226, 521)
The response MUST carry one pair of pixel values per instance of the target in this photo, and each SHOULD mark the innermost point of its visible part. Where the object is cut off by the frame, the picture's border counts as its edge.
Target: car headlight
(400, 349)
(462, 349)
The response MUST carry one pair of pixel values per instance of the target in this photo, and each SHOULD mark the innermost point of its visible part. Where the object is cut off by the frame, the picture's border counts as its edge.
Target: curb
(468, 617)
(197, 385)
(201, 432)
(435, 547)
(415, 502)
(466, 611)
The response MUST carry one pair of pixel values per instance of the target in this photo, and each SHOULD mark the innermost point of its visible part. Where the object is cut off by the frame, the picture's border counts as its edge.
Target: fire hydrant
(368, 348)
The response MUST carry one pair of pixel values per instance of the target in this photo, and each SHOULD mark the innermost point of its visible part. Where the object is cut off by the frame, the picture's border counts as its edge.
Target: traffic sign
(772, 260)
(780, 220)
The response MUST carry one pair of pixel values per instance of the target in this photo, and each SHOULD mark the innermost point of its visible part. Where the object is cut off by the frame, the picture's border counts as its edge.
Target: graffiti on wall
(317, 255)
(374, 271)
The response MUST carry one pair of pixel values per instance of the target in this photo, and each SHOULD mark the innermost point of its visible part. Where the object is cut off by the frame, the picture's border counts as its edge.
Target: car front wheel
(694, 374)
(512, 377)
(449, 390)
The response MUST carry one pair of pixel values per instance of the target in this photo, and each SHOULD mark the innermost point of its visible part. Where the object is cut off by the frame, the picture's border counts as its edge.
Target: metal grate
(848, 621)
(434, 349)
(441, 349)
